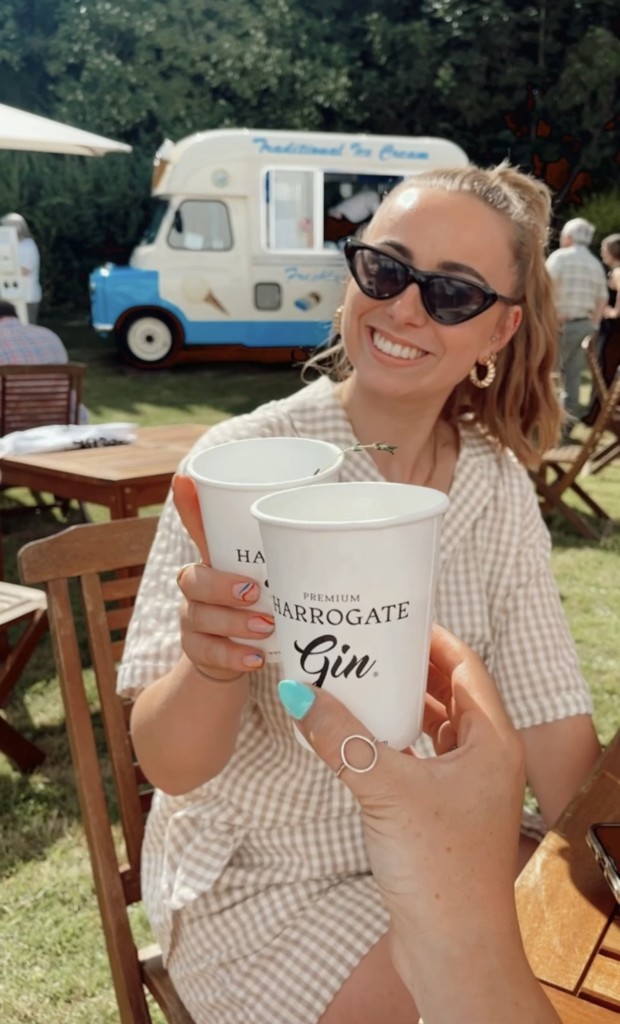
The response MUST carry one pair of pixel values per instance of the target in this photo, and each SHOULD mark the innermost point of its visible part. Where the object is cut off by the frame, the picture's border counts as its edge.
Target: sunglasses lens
(378, 275)
(448, 300)
(451, 301)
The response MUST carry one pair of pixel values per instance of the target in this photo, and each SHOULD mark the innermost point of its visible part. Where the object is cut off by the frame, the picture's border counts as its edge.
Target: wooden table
(123, 478)
(569, 919)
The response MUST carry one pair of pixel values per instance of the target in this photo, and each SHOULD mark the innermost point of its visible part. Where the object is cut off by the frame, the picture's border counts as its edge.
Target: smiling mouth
(408, 353)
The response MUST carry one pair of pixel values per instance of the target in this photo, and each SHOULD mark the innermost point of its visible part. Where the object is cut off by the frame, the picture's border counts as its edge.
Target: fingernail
(261, 624)
(246, 592)
(296, 697)
(253, 660)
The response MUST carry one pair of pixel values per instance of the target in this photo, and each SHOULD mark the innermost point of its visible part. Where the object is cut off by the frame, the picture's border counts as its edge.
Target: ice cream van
(242, 257)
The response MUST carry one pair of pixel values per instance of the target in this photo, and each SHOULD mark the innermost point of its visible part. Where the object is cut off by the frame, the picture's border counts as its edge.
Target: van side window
(289, 209)
(201, 225)
(350, 200)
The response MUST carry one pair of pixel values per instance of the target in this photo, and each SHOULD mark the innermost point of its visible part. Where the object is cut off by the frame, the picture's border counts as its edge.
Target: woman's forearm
(184, 727)
(479, 975)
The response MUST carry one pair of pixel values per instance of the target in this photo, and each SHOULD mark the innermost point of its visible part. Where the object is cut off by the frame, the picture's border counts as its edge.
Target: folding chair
(567, 463)
(107, 560)
(27, 607)
(611, 451)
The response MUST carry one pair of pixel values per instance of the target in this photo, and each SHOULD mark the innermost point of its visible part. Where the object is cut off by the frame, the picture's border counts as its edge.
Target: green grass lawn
(53, 965)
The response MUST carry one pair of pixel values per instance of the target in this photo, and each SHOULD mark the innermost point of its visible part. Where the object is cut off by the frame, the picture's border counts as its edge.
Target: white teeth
(397, 351)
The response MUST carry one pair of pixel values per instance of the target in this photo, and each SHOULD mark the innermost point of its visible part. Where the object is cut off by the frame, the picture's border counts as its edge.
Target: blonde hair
(521, 409)
(612, 244)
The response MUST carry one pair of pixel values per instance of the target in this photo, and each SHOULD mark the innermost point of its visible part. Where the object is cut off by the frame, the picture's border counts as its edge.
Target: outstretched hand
(441, 833)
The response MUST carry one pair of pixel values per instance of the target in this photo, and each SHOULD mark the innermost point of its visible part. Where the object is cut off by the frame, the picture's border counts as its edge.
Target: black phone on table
(604, 841)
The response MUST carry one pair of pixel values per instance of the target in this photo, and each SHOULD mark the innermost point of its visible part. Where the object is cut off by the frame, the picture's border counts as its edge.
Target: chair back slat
(590, 345)
(118, 618)
(88, 553)
(37, 395)
(94, 807)
(117, 737)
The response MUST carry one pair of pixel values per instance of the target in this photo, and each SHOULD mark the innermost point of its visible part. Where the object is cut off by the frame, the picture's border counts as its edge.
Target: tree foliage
(534, 81)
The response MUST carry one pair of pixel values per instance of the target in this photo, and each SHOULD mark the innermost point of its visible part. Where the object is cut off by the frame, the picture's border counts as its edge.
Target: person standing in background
(580, 298)
(30, 343)
(610, 255)
(29, 263)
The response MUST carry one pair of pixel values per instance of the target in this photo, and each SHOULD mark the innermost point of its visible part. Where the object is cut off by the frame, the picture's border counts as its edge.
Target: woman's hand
(441, 833)
(217, 605)
(442, 837)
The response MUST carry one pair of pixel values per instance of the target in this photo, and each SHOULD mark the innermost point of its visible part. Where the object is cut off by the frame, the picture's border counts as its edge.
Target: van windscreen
(158, 210)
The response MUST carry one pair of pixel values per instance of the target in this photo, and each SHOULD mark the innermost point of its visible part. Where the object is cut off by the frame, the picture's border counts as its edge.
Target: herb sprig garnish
(376, 446)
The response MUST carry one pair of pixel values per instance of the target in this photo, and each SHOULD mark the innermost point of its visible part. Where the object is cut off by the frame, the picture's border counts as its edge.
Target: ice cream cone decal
(215, 302)
(308, 301)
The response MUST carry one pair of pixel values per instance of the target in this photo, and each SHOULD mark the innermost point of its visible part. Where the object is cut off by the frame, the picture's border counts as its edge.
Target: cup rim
(291, 483)
(438, 508)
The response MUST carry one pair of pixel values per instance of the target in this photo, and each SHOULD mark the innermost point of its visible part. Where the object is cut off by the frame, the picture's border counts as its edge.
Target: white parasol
(21, 130)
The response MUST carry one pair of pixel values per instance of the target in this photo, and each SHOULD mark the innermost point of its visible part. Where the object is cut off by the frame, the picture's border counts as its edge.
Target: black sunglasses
(447, 299)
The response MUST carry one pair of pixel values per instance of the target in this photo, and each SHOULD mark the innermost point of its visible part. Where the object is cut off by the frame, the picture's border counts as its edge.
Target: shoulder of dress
(498, 467)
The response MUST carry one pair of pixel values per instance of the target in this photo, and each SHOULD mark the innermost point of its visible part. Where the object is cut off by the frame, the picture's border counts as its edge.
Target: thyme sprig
(376, 446)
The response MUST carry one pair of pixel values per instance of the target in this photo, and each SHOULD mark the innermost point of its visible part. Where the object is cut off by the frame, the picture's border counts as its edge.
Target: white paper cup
(352, 572)
(230, 477)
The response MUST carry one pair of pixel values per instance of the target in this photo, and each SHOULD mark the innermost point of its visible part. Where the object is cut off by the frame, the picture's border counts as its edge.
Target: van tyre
(149, 339)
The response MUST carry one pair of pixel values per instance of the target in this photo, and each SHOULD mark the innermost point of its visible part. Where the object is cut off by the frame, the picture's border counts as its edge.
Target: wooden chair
(611, 451)
(26, 607)
(568, 463)
(36, 395)
(40, 395)
(107, 560)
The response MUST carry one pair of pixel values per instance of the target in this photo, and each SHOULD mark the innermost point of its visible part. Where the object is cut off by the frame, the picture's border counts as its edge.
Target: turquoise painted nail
(296, 697)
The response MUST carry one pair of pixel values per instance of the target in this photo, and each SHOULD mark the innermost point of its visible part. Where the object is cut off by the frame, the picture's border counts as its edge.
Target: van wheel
(149, 339)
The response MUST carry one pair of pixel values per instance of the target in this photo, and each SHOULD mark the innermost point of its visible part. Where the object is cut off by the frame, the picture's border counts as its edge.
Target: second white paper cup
(352, 572)
(230, 477)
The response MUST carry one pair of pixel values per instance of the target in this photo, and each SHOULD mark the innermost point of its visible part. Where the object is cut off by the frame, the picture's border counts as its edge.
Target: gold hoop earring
(337, 321)
(489, 365)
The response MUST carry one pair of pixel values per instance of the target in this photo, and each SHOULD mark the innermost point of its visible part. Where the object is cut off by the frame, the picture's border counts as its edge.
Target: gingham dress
(257, 883)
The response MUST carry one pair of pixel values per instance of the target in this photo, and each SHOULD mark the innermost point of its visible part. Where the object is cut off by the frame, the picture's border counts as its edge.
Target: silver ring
(372, 743)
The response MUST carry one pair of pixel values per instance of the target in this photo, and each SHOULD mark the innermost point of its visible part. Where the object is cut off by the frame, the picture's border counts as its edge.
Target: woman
(255, 872)
(610, 255)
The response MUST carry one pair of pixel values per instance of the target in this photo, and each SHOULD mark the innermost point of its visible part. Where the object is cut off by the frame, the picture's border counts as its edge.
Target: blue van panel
(114, 290)
(254, 334)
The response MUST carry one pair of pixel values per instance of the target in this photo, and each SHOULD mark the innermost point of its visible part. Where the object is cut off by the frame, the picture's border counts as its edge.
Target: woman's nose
(408, 306)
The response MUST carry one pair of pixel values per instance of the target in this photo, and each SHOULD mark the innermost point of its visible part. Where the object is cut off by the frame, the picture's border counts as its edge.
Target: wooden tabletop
(155, 450)
(568, 916)
(124, 477)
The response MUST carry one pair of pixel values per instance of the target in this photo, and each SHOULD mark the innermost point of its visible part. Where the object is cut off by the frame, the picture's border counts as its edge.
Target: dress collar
(475, 476)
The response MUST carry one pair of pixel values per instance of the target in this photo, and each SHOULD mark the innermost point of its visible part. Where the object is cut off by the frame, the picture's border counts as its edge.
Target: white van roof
(226, 156)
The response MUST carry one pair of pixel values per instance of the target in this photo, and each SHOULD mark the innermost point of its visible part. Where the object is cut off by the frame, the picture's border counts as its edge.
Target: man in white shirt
(357, 208)
(580, 298)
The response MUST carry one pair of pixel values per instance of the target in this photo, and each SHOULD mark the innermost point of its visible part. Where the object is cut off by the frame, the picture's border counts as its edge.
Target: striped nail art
(261, 624)
(246, 592)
